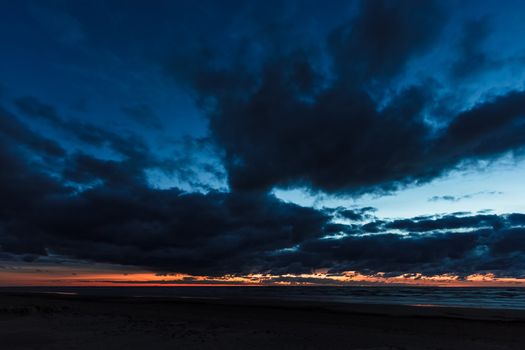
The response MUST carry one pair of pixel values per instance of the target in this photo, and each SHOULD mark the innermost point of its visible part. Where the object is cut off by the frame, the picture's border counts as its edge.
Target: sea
(472, 297)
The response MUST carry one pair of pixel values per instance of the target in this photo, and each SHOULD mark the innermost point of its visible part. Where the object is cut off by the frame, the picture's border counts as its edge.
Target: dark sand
(75, 322)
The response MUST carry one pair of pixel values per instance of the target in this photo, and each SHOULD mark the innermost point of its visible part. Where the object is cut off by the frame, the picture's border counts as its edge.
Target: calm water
(501, 298)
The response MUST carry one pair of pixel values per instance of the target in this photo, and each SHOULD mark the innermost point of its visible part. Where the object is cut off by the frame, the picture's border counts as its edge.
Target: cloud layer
(345, 116)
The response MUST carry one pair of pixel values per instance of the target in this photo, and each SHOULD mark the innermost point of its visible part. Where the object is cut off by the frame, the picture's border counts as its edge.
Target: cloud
(121, 220)
(14, 131)
(130, 145)
(446, 222)
(474, 57)
(289, 122)
(354, 214)
(344, 117)
(193, 159)
(450, 198)
(445, 198)
(457, 245)
(471, 57)
(384, 36)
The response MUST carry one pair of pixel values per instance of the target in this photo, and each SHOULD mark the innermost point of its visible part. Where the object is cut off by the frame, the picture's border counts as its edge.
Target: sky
(262, 142)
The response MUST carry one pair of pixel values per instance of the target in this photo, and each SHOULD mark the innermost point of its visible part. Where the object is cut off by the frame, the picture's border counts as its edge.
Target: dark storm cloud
(284, 127)
(459, 244)
(446, 223)
(479, 250)
(487, 129)
(288, 124)
(127, 223)
(277, 139)
(210, 234)
(122, 220)
(393, 253)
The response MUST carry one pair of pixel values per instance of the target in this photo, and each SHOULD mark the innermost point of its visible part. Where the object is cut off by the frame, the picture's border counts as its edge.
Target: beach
(51, 321)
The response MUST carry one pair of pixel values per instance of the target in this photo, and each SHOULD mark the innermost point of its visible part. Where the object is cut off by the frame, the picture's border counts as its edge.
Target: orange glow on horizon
(106, 276)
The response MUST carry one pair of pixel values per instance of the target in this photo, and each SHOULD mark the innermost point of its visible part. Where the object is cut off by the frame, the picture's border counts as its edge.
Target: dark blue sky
(258, 136)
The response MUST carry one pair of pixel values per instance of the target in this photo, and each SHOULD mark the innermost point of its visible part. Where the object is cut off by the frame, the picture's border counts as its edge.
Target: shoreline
(372, 308)
(493, 298)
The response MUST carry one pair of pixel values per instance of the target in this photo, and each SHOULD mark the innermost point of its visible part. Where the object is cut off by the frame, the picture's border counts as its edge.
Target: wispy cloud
(450, 198)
